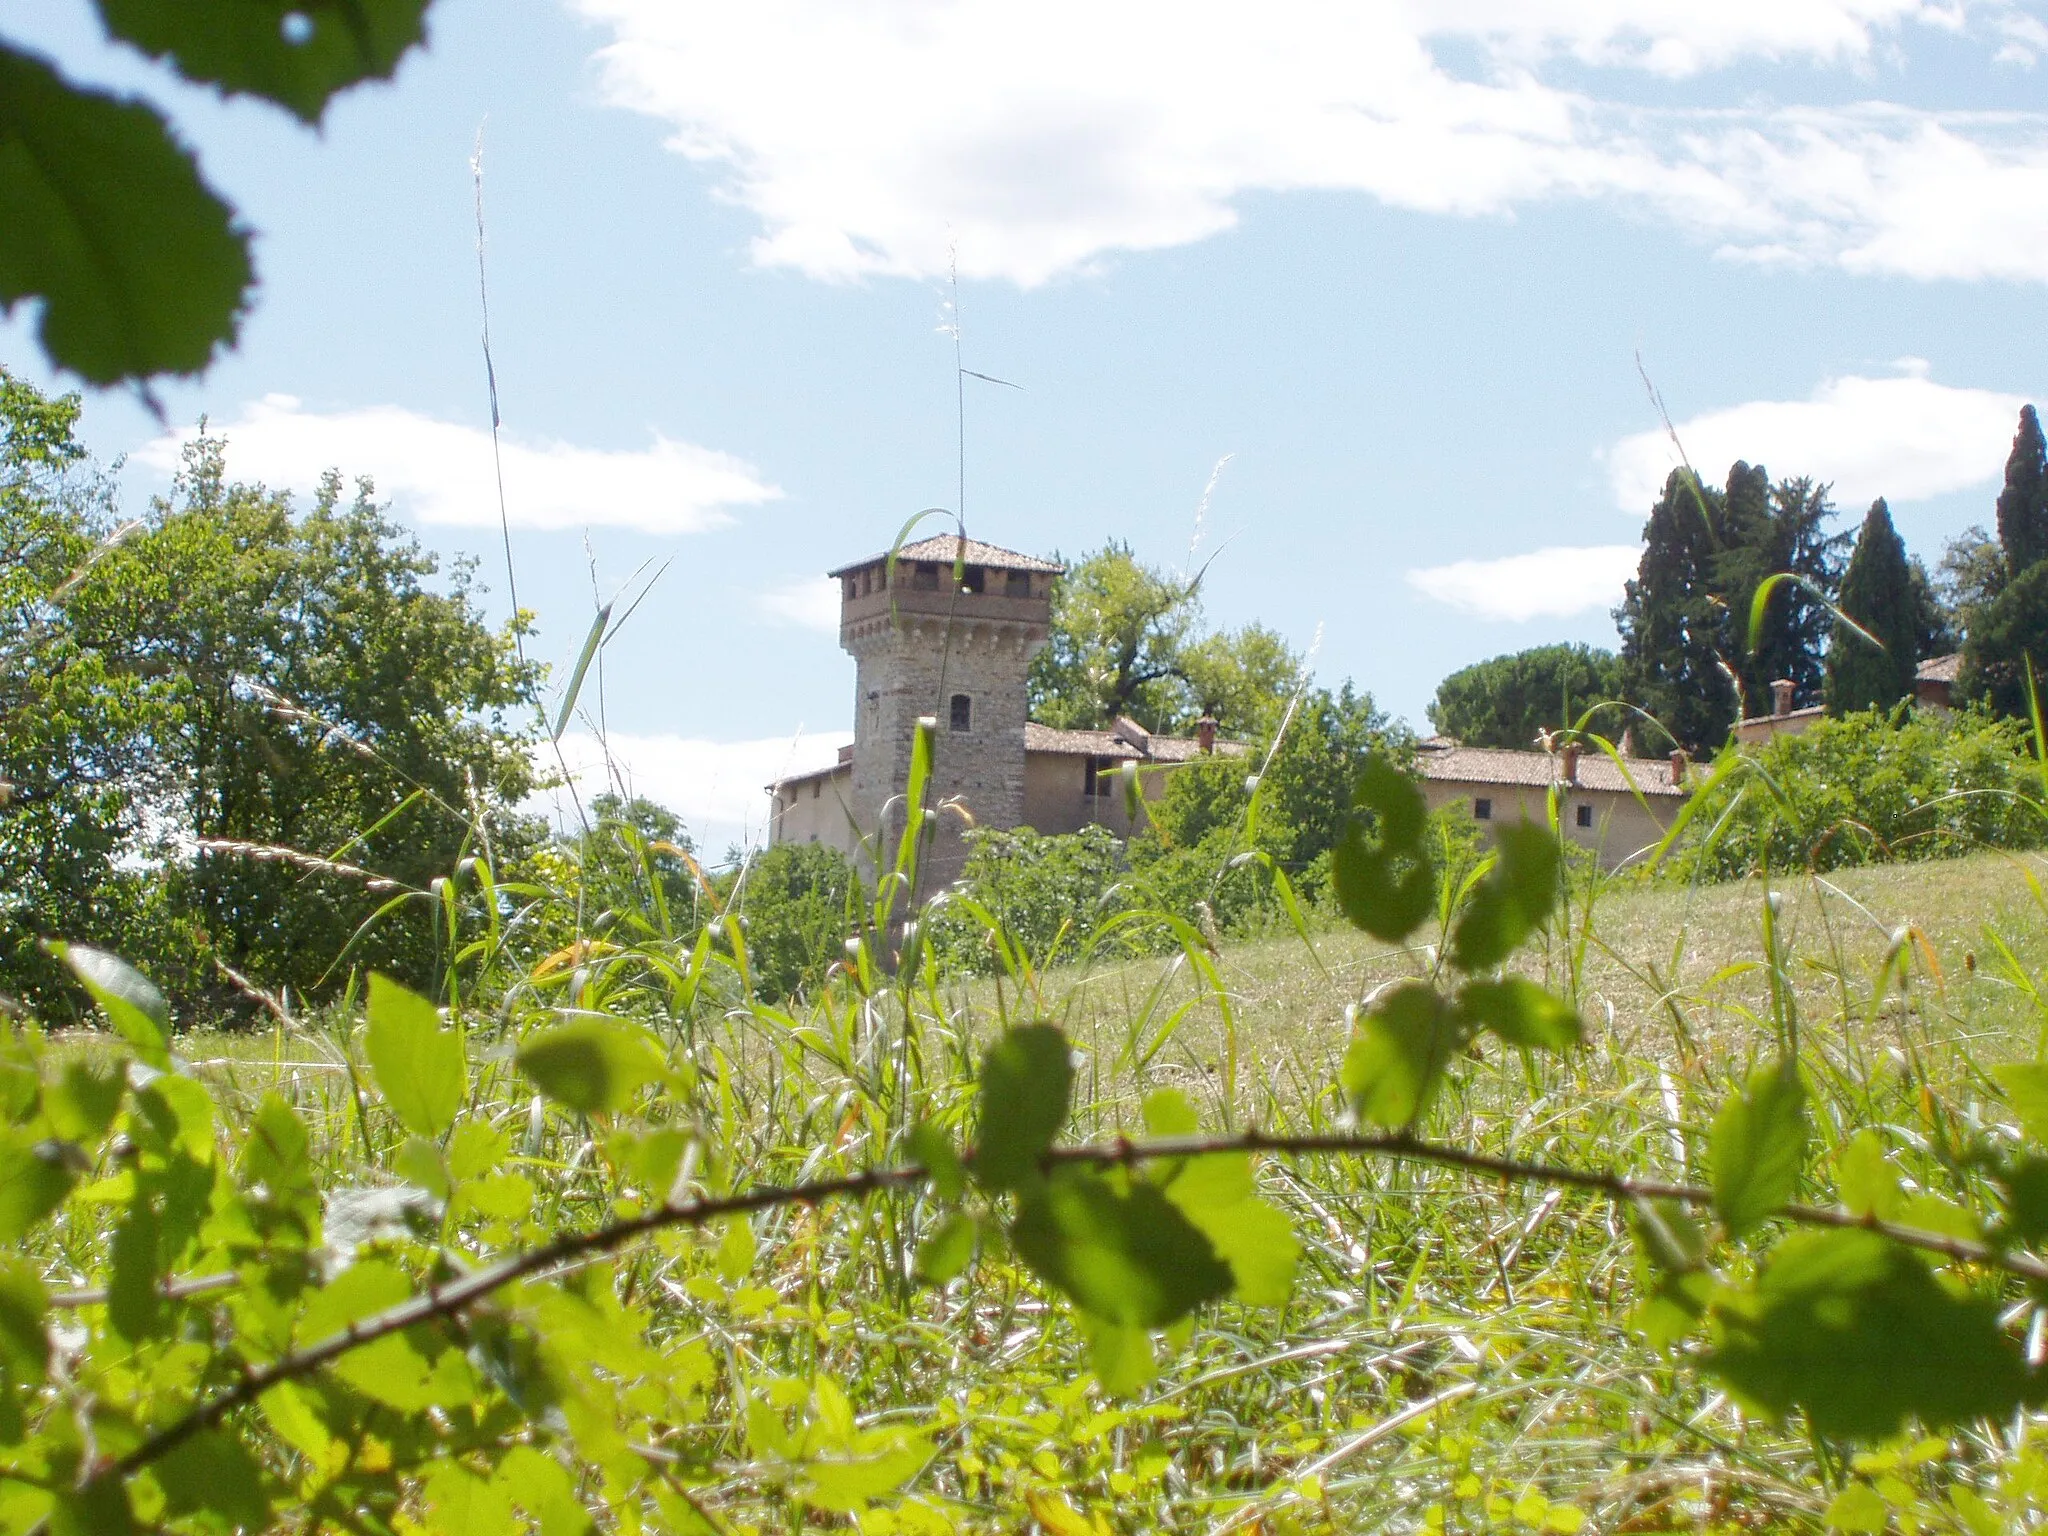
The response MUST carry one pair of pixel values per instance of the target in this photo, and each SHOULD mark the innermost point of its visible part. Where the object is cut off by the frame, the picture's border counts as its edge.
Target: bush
(1049, 893)
(1867, 788)
(799, 901)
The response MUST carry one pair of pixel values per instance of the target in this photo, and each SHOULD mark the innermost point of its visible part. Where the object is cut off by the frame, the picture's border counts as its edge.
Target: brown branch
(452, 1297)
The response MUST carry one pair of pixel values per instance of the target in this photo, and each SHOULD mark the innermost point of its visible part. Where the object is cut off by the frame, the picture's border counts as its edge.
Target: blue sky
(1395, 260)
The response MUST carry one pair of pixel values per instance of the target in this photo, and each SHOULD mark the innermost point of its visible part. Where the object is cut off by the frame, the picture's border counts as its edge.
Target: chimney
(1781, 696)
(1627, 746)
(1205, 733)
(1677, 767)
(1571, 763)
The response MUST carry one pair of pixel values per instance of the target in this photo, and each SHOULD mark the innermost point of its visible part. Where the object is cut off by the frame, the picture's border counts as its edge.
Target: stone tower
(948, 632)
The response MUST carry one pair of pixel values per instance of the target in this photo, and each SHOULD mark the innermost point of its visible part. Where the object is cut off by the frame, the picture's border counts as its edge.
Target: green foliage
(1380, 871)
(1707, 553)
(1879, 594)
(1127, 642)
(290, 691)
(421, 1068)
(1862, 789)
(140, 267)
(1759, 1146)
(2006, 642)
(2023, 500)
(1509, 701)
(799, 904)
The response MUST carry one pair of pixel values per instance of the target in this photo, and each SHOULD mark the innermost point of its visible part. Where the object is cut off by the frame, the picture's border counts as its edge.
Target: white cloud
(871, 136)
(717, 787)
(1550, 583)
(1904, 438)
(808, 602)
(441, 471)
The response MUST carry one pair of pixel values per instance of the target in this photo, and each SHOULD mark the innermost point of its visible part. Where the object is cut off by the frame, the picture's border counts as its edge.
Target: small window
(1100, 772)
(817, 787)
(925, 578)
(1585, 815)
(974, 578)
(1017, 584)
(850, 589)
(963, 712)
(1482, 809)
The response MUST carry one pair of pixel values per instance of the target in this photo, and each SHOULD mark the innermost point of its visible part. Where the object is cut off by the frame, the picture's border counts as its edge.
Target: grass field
(1457, 1353)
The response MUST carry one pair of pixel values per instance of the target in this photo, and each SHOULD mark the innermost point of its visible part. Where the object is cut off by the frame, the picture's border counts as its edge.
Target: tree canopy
(1507, 701)
(2008, 634)
(1684, 619)
(226, 670)
(2023, 501)
(1128, 640)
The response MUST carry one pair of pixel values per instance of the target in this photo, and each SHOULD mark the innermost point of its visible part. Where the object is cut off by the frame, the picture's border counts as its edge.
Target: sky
(1357, 296)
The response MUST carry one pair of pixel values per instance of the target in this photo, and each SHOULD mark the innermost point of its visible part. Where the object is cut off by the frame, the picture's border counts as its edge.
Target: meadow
(1453, 1351)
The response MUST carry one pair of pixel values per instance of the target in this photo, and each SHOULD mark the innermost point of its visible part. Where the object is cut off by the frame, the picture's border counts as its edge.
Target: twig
(452, 1297)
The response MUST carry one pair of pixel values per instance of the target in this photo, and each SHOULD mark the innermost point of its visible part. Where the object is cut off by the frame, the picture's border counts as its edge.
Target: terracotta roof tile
(1160, 749)
(1940, 669)
(946, 547)
(1499, 765)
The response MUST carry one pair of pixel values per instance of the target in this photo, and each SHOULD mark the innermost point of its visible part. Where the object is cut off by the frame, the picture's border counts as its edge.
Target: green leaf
(129, 999)
(276, 1152)
(1026, 1079)
(2026, 1089)
(100, 1508)
(250, 47)
(1394, 1066)
(1167, 1112)
(933, 1148)
(542, 1487)
(419, 1066)
(135, 1305)
(103, 216)
(946, 1250)
(1523, 1014)
(591, 642)
(1855, 1330)
(465, 1503)
(1217, 1194)
(2026, 1200)
(1513, 899)
(215, 1473)
(1121, 1356)
(24, 1334)
(85, 1098)
(1125, 1256)
(1379, 867)
(1759, 1146)
(1869, 1184)
(1857, 1508)
(592, 1066)
(736, 1250)
(35, 1176)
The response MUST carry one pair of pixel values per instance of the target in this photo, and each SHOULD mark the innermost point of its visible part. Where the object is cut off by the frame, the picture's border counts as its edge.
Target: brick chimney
(1781, 696)
(1205, 733)
(1677, 767)
(1571, 763)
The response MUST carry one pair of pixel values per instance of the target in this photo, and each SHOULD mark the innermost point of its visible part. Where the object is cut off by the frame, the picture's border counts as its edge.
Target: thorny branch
(450, 1298)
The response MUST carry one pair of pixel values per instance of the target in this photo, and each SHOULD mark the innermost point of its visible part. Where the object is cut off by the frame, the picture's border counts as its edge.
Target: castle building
(958, 651)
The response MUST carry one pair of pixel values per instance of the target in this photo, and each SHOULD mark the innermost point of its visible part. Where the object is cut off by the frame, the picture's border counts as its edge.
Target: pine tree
(2023, 504)
(1879, 594)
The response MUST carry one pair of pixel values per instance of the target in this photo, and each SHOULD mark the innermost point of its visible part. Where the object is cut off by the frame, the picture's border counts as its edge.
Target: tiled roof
(947, 547)
(1939, 669)
(1158, 749)
(1498, 765)
(844, 765)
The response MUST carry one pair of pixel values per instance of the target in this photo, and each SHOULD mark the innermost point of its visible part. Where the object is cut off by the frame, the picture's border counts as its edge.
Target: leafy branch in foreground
(141, 267)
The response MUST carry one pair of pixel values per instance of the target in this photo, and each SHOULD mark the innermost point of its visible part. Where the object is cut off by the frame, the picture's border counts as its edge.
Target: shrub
(1049, 893)
(1866, 788)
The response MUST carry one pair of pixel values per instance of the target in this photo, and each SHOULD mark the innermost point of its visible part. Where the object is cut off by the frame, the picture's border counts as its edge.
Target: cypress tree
(1877, 593)
(1672, 623)
(2023, 504)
